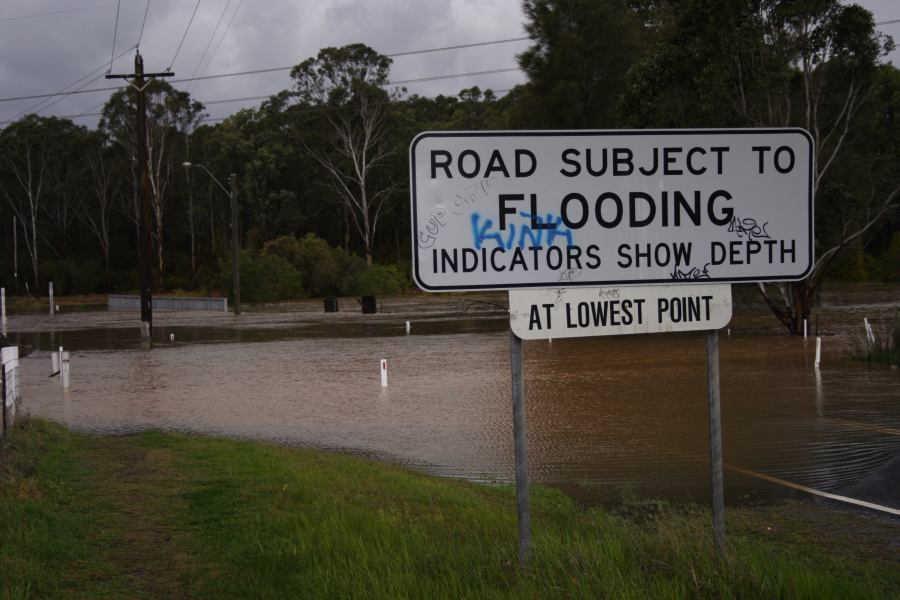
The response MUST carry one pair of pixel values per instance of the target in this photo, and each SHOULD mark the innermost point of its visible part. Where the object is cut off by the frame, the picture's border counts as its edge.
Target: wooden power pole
(139, 81)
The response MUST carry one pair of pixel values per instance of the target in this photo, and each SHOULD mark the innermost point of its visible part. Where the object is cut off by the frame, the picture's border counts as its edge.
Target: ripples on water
(624, 412)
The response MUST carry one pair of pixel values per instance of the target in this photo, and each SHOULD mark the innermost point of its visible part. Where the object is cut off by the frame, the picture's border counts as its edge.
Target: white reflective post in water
(820, 394)
(51, 298)
(715, 439)
(65, 370)
(523, 507)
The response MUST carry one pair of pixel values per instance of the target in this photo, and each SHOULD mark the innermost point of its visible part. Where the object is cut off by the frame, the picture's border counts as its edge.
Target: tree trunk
(347, 229)
(34, 253)
(193, 241)
(798, 297)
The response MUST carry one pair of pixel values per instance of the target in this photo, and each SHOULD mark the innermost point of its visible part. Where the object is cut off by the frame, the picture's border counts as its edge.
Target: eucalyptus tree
(171, 115)
(37, 158)
(343, 89)
(258, 146)
(93, 206)
(776, 63)
(578, 61)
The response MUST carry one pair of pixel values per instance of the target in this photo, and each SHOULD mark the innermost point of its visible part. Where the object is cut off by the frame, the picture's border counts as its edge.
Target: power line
(403, 81)
(115, 32)
(891, 22)
(64, 11)
(393, 55)
(60, 99)
(439, 77)
(63, 93)
(90, 112)
(244, 99)
(267, 70)
(398, 82)
(177, 50)
(222, 37)
(144, 22)
(209, 43)
(456, 47)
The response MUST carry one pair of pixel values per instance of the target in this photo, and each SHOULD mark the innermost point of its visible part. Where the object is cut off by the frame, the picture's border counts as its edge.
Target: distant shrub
(207, 279)
(850, 265)
(887, 266)
(379, 280)
(326, 271)
(73, 276)
(264, 278)
(178, 272)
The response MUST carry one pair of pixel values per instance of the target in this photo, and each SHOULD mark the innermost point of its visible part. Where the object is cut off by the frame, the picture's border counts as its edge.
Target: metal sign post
(523, 505)
(715, 439)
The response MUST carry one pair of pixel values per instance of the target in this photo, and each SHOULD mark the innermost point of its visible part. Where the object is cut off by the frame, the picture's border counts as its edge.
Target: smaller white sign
(584, 312)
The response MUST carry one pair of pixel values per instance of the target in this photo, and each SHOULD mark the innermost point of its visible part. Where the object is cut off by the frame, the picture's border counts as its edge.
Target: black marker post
(523, 507)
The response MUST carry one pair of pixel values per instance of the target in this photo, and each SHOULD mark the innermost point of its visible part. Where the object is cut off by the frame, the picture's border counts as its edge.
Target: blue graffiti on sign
(483, 232)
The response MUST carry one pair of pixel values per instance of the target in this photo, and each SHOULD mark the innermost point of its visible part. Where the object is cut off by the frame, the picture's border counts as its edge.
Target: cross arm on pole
(148, 78)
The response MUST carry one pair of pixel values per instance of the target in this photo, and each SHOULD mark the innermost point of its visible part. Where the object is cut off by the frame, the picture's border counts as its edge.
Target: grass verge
(163, 515)
(32, 304)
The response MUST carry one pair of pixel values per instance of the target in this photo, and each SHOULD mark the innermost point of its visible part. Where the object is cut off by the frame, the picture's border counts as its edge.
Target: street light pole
(235, 249)
(235, 246)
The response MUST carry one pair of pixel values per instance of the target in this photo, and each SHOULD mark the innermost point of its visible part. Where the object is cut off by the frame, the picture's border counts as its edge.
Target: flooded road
(624, 413)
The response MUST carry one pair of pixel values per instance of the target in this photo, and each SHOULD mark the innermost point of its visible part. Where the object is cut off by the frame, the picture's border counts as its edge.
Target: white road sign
(501, 210)
(584, 311)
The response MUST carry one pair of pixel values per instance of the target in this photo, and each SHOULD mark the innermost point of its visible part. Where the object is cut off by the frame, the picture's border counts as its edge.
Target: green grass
(172, 516)
(31, 304)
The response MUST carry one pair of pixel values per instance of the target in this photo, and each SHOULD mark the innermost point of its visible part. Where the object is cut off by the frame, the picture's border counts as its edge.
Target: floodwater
(614, 413)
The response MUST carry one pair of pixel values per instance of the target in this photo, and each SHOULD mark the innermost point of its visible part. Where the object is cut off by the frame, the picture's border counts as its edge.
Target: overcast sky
(47, 45)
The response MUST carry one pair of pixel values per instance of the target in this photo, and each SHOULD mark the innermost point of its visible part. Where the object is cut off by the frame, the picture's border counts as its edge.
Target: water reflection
(627, 412)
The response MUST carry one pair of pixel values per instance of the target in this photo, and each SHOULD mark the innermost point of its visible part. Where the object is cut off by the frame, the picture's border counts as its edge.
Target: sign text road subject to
(500, 210)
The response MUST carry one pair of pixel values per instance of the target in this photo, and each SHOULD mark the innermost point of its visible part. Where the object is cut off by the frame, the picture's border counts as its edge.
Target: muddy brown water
(614, 413)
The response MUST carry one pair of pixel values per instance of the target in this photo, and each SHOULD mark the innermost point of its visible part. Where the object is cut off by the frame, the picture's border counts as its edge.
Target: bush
(73, 276)
(887, 267)
(850, 264)
(326, 271)
(178, 272)
(379, 280)
(207, 279)
(264, 278)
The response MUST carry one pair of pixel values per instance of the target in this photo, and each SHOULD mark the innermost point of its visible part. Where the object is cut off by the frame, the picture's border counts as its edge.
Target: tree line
(322, 166)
